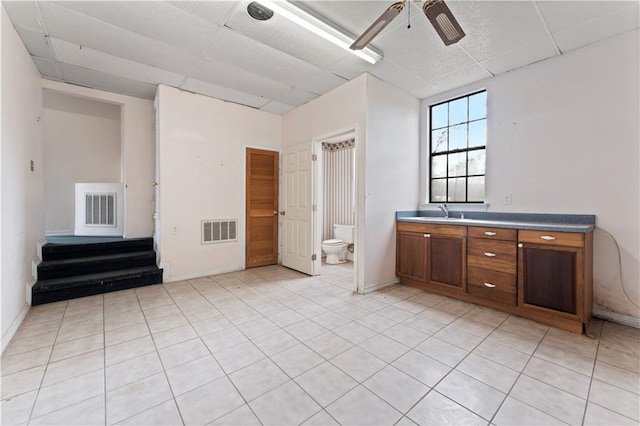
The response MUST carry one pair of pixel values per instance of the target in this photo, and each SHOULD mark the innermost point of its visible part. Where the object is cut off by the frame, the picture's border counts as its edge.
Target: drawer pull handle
(489, 285)
(427, 235)
(489, 233)
(548, 237)
(489, 254)
(520, 245)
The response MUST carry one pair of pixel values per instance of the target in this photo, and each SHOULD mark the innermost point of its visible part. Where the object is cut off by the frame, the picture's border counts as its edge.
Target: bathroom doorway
(335, 195)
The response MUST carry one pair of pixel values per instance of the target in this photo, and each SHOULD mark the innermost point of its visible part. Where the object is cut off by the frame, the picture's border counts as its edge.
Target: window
(458, 142)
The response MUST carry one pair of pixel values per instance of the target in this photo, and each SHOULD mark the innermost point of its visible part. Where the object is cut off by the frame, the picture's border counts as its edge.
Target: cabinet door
(549, 277)
(411, 256)
(446, 260)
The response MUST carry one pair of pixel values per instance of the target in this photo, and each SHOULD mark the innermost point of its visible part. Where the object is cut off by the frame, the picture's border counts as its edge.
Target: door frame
(318, 190)
(242, 225)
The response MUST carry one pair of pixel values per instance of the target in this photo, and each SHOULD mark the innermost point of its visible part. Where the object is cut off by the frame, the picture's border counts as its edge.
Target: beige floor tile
(27, 344)
(163, 311)
(396, 388)
(616, 376)
(524, 327)
(69, 392)
(328, 344)
(202, 314)
(72, 367)
(31, 330)
(619, 359)
(486, 316)
(395, 313)
(211, 325)
(137, 397)
(421, 367)
(120, 319)
(468, 325)
(322, 418)
(79, 329)
(128, 350)
(354, 332)
(558, 354)
(174, 336)
(165, 414)
(426, 325)
(167, 323)
(132, 370)
(548, 399)
(503, 355)
(442, 351)
(376, 322)
(286, 404)
(331, 320)
(223, 339)
(16, 410)
(305, 330)
(77, 347)
(615, 399)
(438, 316)
(275, 342)
(476, 396)
(458, 337)
(521, 342)
(239, 356)
(560, 377)
(384, 348)
(124, 334)
(436, 409)
(406, 335)
(258, 379)
(242, 416)
(358, 363)
(22, 381)
(24, 361)
(297, 359)
(258, 327)
(597, 415)
(360, 406)
(181, 353)
(325, 383)
(209, 402)
(514, 412)
(488, 372)
(193, 374)
(84, 413)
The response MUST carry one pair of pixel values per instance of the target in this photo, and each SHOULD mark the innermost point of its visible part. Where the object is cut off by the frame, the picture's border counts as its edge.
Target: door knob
(275, 212)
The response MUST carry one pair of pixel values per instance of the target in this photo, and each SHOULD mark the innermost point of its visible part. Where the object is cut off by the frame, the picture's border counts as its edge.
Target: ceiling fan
(436, 11)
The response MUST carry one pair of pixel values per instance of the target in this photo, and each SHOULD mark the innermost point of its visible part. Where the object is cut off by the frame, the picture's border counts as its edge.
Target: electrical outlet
(175, 230)
(33, 165)
(507, 199)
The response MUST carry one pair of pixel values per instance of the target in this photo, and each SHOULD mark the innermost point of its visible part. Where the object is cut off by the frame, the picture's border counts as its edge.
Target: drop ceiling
(215, 48)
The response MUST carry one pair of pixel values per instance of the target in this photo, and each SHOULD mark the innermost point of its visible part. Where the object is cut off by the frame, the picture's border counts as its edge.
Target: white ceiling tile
(277, 107)
(74, 27)
(561, 15)
(283, 35)
(618, 22)
(213, 11)
(496, 27)
(458, 78)
(36, 43)
(154, 19)
(224, 93)
(421, 51)
(533, 52)
(23, 14)
(47, 68)
(98, 80)
(86, 57)
(243, 52)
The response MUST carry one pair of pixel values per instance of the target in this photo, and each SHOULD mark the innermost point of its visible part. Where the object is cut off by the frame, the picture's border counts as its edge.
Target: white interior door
(297, 250)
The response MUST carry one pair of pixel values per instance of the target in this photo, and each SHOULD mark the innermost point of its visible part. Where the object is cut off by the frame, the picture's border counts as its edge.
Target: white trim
(64, 233)
(200, 274)
(617, 318)
(11, 331)
(380, 286)
(41, 243)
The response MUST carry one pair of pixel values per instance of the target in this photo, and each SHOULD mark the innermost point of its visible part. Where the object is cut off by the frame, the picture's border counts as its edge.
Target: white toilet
(336, 249)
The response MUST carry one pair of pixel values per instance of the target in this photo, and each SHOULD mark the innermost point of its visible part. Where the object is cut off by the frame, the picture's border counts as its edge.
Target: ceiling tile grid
(215, 48)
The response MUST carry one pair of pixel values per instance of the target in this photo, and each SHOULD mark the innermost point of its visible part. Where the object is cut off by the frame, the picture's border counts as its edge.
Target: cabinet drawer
(493, 233)
(432, 228)
(492, 255)
(553, 238)
(492, 285)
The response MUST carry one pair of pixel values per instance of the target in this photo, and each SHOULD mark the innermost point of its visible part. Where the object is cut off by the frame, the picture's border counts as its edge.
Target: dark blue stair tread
(88, 279)
(103, 241)
(102, 258)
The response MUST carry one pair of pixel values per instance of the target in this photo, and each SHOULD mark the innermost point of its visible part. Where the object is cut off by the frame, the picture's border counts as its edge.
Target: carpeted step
(53, 251)
(50, 269)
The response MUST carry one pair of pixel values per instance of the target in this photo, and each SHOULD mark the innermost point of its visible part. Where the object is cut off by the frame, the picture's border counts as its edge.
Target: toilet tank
(343, 232)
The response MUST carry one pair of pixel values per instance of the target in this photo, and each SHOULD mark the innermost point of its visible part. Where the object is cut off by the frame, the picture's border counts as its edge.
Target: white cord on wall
(624, 289)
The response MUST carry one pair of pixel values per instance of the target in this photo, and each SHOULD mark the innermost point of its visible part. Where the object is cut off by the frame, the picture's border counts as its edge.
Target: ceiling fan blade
(379, 24)
(443, 21)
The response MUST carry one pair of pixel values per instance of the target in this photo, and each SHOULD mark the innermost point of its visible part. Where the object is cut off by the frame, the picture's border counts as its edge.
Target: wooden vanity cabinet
(555, 276)
(432, 256)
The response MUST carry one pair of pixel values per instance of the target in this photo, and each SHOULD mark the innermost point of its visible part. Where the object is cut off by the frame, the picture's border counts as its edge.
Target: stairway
(84, 268)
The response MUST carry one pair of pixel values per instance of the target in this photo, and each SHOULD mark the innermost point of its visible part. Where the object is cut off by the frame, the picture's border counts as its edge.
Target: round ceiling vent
(258, 11)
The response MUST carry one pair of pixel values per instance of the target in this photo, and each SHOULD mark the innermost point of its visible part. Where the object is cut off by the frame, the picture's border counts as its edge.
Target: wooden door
(411, 256)
(446, 261)
(262, 208)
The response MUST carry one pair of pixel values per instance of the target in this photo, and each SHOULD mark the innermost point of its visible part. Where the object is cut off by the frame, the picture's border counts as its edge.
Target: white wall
(202, 145)
(563, 137)
(81, 144)
(22, 211)
(392, 174)
(137, 150)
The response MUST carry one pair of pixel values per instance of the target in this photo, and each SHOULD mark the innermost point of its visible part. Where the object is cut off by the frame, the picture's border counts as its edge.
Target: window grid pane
(457, 147)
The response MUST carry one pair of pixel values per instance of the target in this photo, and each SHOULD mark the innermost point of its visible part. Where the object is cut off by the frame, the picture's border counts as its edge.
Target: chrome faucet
(445, 209)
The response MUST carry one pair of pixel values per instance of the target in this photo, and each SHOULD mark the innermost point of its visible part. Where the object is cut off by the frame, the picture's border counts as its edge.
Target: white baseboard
(375, 287)
(618, 318)
(63, 233)
(181, 277)
(15, 324)
(41, 243)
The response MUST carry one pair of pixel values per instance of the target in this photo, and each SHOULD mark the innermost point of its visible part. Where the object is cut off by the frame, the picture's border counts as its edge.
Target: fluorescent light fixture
(318, 27)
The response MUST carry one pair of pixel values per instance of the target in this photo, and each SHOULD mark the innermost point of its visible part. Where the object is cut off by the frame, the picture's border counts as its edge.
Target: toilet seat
(332, 242)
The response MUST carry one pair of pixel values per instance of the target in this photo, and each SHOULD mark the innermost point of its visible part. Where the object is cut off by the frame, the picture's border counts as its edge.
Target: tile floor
(271, 346)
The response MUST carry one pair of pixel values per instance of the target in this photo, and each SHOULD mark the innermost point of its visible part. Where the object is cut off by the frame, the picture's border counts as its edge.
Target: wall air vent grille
(100, 209)
(219, 231)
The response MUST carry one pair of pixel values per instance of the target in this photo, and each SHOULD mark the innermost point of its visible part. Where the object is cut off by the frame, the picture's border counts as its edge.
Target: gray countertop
(532, 221)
